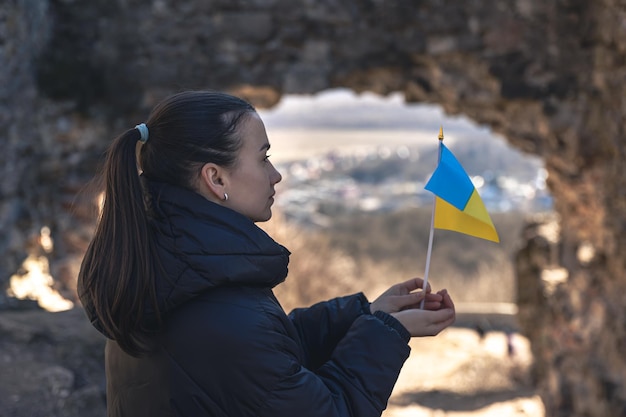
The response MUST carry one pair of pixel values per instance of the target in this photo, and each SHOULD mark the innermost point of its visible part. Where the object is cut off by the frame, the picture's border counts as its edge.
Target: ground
(461, 374)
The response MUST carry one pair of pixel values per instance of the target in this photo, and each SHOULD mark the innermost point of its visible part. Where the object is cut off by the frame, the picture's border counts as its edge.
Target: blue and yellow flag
(458, 207)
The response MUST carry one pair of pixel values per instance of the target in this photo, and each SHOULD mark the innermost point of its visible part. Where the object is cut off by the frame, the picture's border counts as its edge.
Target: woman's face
(251, 180)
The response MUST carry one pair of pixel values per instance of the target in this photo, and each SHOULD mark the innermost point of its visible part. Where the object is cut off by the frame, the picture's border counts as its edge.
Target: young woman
(179, 279)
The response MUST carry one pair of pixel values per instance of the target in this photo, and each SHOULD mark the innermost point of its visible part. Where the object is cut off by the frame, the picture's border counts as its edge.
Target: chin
(263, 218)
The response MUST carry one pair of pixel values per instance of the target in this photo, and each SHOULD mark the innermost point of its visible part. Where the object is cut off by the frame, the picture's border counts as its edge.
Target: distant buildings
(384, 179)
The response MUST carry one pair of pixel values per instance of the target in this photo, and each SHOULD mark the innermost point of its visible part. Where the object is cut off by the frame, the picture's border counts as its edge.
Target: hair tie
(143, 131)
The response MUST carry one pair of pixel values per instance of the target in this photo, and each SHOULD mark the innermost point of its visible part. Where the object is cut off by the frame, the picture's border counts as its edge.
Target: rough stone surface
(548, 75)
(52, 365)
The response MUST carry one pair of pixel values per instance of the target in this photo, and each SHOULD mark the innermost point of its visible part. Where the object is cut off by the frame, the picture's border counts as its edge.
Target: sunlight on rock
(36, 283)
(552, 278)
(46, 240)
(551, 231)
(585, 253)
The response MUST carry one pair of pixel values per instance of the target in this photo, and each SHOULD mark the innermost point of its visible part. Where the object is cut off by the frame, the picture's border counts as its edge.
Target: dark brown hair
(116, 280)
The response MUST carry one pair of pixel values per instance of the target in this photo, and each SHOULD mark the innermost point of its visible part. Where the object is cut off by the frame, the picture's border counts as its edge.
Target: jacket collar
(203, 245)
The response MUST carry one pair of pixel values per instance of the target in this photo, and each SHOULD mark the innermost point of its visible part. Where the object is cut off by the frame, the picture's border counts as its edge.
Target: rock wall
(548, 75)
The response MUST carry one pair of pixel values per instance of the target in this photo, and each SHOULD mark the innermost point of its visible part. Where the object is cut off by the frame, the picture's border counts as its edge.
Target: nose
(276, 177)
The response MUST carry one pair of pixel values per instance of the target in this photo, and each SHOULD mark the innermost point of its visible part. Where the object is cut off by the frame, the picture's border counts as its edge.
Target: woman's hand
(401, 297)
(428, 322)
(403, 302)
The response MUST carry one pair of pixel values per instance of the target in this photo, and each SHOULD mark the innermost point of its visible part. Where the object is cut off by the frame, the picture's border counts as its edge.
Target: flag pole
(432, 228)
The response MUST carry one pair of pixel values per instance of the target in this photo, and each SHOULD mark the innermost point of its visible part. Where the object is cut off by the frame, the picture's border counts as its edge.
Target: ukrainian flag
(458, 207)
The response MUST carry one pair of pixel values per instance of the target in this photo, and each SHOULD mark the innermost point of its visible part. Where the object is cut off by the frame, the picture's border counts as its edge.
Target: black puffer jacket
(228, 348)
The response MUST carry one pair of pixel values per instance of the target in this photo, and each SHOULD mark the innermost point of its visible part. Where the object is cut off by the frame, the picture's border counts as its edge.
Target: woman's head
(214, 144)
(189, 129)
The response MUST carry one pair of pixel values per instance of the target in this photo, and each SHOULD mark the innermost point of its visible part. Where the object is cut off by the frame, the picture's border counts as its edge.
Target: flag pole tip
(440, 132)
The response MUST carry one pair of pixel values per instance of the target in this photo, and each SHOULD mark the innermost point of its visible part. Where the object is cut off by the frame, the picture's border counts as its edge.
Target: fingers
(414, 300)
(449, 304)
(401, 302)
(424, 322)
(414, 284)
(408, 295)
(441, 320)
(438, 327)
(438, 314)
(432, 302)
(431, 305)
(447, 313)
(446, 299)
(434, 297)
(392, 303)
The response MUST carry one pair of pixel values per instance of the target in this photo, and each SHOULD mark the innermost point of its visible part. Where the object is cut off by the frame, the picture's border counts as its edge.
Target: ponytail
(116, 283)
(116, 279)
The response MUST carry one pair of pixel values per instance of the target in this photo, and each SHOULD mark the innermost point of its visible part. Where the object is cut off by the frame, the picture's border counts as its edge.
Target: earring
(225, 197)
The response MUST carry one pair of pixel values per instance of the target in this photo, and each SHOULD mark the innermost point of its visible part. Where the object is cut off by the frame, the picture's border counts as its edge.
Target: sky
(345, 109)
(305, 125)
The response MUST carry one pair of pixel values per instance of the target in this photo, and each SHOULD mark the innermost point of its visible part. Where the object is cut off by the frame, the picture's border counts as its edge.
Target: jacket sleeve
(323, 325)
(243, 363)
(357, 380)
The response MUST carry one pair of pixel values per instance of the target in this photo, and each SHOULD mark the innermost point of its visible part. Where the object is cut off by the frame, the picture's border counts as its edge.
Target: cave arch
(548, 76)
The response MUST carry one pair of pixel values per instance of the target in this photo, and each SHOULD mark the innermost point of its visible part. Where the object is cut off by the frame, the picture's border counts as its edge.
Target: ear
(212, 181)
